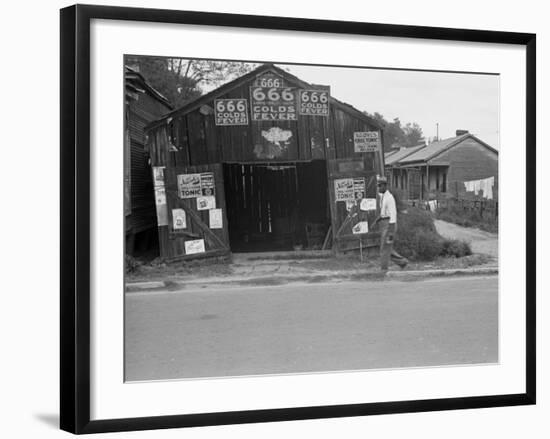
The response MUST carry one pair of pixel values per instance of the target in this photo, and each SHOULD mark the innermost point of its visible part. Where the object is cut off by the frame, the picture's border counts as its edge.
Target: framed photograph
(273, 218)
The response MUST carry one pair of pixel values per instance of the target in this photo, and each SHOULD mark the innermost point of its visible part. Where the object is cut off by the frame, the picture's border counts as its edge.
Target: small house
(455, 167)
(143, 104)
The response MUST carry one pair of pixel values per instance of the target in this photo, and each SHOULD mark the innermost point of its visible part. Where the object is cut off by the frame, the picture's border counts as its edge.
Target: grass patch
(467, 218)
(418, 240)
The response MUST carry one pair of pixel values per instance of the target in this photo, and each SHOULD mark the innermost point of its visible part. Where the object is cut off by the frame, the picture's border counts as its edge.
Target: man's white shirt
(387, 207)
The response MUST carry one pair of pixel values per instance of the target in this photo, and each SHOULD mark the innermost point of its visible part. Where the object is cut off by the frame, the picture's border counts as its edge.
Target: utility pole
(437, 131)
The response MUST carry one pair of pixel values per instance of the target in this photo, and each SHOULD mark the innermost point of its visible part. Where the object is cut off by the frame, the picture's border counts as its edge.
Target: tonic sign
(273, 103)
(231, 112)
(314, 103)
(366, 141)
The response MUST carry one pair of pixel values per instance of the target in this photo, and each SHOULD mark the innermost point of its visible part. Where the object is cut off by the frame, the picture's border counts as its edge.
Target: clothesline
(484, 185)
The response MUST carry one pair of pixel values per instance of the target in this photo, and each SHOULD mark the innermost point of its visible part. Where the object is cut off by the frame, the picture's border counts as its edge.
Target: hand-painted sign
(343, 189)
(314, 103)
(269, 80)
(206, 203)
(231, 112)
(207, 184)
(189, 185)
(195, 246)
(273, 103)
(366, 141)
(216, 218)
(179, 219)
(359, 188)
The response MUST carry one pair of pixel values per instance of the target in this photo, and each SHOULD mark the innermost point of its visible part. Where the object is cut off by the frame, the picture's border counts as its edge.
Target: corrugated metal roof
(402, 153)
(433, 149)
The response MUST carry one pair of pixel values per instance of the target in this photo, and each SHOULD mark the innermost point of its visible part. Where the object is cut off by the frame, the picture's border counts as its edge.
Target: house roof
(434, 149)
(220, 91)
(136, 83)
(401, 154)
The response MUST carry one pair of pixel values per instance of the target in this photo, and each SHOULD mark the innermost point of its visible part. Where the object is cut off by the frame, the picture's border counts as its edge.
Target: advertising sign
(179, 219)
(206, 203)
(231, 112)
(189, 185)
(360, 227)
(207, 184)
(195, 246)
(366, 141)
(162, 209)
(216, 218)
(314, 103)
(273, 103)
(359, 188)
(368, 204)
(158, 176)
(343, 189)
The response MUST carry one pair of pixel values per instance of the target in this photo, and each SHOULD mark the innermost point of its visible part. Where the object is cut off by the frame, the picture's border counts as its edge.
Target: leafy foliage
(183, 80)
(396, 134)
(418, 240)
(468, 218)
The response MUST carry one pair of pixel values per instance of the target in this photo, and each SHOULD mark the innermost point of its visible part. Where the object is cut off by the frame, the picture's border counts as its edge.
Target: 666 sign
(273, 103)
(314, 103)
(231, 111)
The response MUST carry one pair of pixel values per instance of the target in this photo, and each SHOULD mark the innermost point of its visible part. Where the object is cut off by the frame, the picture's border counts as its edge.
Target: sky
(454, 100)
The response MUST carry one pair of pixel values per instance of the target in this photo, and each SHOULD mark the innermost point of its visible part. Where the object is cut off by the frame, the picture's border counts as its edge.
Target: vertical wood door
(345, 211)
(181, 238)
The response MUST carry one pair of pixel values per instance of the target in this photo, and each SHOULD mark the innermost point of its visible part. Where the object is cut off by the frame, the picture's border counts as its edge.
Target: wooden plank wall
(343, 237)
(141, 112)
(199, 141)
(172, 242)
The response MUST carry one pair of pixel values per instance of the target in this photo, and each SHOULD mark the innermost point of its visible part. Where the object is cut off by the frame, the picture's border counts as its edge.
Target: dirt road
(480, 241)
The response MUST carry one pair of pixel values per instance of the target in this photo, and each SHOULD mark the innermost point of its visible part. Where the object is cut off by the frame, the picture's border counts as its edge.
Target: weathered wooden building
(143, 104)
(265, 162)
(449, 167)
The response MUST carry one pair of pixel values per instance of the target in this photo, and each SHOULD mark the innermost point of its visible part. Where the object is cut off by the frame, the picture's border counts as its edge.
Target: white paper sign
(216, 219)
(206, 203)
(158, 176)
(179, 219)
(189, 185)
(343, 189)
(366, 141)
(360, 227)
(195, 246)
(368, 204)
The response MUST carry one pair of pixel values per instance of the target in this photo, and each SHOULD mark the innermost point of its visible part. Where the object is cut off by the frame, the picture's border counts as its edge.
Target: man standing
(388, 227)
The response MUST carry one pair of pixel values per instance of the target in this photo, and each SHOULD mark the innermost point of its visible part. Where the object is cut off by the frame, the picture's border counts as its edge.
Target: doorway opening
(276, 206)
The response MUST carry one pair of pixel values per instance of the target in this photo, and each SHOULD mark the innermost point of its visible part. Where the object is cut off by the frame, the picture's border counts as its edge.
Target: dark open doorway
(282, 206)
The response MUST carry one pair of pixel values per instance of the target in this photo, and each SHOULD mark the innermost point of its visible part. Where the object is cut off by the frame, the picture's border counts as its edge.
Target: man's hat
(382, 179)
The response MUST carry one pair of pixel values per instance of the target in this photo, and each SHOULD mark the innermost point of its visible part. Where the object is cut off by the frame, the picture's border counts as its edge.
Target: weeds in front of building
(468, 218)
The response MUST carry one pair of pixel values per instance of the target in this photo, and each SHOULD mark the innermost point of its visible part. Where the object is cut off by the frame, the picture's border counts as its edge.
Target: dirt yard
(480, 241)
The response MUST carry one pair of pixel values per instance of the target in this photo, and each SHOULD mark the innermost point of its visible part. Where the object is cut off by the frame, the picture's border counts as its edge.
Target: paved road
(311, 327)
(480, 241)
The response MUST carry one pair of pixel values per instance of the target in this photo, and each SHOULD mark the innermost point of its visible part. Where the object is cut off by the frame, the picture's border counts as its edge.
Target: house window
(444, 182)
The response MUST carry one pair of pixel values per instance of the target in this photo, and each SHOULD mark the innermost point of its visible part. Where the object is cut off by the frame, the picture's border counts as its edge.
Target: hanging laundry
(485, 186)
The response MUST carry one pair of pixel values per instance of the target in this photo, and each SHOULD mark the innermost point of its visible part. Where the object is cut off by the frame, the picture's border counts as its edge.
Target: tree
(412, 135)
(396, 135)
(183, 80)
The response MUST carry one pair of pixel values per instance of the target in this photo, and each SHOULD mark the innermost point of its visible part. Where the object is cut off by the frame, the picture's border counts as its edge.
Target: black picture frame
(75, 218)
